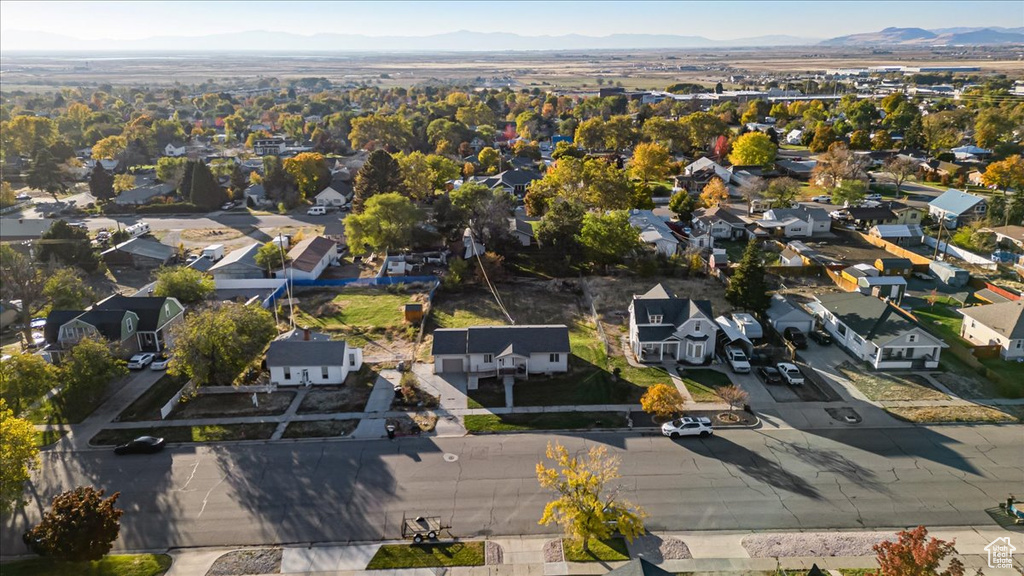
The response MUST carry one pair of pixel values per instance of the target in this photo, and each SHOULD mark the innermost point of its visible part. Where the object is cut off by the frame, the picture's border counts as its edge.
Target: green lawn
(584, 384)
(147, 406)
(489, 394)
(703, 383)
(1011, 372)
(643, 377)
(393, 556)
(611, 550)
(353, 308)
(544, 421)
(320, 428)
(733, 249)
(115, 565)
(53, 411)
(48, 437)
(226, 432)
(944, 321)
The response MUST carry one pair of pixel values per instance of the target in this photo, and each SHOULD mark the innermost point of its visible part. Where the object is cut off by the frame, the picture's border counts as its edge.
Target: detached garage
(784, 314)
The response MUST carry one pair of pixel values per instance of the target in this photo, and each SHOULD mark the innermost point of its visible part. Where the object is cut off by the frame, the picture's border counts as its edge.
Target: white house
(877, 332)
(799, 222)
(996, 324)
(306, 362)
(330, 197)
(521, 230)
(719, 223)
(174, 151)
(268, 146)
(309, 258)
(955, 208)
(655, 232)
(789, 257)
(663, 327)
(501, 351)
(795, 137)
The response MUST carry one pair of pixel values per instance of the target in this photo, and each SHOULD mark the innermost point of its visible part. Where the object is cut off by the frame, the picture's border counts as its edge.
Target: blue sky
(715, 20)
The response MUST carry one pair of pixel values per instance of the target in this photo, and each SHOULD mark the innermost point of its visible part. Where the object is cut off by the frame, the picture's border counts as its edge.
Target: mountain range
(465, 41)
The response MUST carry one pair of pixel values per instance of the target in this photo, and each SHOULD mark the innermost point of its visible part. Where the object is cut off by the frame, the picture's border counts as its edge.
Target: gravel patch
(247, 562)
(493, 554)
(813, 544)
(553, 551)
(656, 549)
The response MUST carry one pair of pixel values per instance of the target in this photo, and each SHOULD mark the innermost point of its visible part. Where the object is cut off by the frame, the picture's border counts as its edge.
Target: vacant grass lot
(114, 565)
(353, 312)
(147, 407)
(943, 321)
(611, 550)
(880, 387)
(227, 432)
(703, 383)
(544, 421)
(320, 428)
(392, 556)
(233, 404)
(953, 414)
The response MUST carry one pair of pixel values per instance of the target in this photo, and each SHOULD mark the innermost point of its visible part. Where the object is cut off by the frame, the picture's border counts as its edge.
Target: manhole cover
(450, 457)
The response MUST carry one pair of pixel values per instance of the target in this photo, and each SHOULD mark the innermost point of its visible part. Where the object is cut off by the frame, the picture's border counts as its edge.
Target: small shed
(895, 267)
(949, 275)
(413, 312)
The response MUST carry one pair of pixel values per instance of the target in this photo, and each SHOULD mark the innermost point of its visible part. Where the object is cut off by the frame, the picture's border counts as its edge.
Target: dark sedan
(141, 445)
(769, 375)
(821, 337)
(795, 337)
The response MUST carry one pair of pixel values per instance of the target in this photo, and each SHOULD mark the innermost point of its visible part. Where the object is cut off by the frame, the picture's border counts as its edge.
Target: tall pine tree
(379, 175)
(101, 183)
(747, 287)
(203, 189)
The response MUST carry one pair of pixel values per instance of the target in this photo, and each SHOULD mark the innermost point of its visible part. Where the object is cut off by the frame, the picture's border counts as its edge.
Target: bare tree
(733, 395)
(753, 189)
(901, 168)
(839, 164)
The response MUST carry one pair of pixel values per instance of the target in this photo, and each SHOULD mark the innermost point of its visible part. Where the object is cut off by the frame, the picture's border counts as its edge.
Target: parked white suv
(140, 361)
(688, 427)
(791, 374)
(737, 360)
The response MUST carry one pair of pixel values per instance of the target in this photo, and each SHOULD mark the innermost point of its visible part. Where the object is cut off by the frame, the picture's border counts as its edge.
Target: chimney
(305, 334)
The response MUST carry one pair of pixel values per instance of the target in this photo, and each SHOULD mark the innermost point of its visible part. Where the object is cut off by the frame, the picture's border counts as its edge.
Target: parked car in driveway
(821, 337)
(688, 426)
(160, 363)
(141, 445)
(737, 360)
(140, 361)
(796, 337)
(791, 374)
(769, 375)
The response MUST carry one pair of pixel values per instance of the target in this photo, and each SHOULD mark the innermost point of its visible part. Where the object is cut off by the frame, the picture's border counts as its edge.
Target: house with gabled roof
(665, 328)
(521, 230)
(138, 323)
(240, 263)
(954, 208)
(309, 258)
(996, 324)
(513, 181)
(138, 253)
(305, 359)
(719, 223)
(330, 197)
(654, 231)
(501, 351)
(877, 332)
(799, 222)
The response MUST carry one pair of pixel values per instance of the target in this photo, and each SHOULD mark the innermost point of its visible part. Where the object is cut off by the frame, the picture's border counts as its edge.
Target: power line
(494, 291)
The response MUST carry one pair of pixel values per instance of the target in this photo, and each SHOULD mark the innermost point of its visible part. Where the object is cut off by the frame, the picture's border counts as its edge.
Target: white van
(317, 210)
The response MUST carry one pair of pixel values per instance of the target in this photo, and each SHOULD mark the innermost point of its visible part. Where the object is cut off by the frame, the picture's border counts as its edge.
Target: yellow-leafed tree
(661, 400)
(587, 503)
(714, 193)
(18, 456)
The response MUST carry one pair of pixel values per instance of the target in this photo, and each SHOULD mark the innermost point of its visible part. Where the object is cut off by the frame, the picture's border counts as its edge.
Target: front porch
(906, 357)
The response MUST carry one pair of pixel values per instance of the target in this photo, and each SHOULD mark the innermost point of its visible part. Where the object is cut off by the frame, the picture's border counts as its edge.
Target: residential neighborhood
(314, 314)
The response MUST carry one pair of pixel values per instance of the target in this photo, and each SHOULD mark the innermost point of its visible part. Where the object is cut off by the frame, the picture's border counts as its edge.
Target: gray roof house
(505, 351)
(783, 313)
(877, 332)
(655, 232)
(239, 263)
(138, 253)
(133, 323)
(799, 222)
(996, 324)
(954, 208)
(310, 360)
(512, 181)
(664, 327)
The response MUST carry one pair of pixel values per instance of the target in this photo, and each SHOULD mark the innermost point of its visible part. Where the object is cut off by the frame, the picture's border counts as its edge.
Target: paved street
(324, 491)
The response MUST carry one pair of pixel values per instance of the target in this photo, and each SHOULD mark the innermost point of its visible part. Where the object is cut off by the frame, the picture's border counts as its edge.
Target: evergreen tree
(379, 175)
(747, 287)
(69, 246)
(101, 183)
(203, 188)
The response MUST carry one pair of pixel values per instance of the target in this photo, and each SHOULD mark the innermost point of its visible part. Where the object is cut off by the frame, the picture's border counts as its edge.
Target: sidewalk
(707, 552)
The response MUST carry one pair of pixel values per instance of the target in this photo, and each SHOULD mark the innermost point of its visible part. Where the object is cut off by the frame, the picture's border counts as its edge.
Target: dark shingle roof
(306, 353)
(659, 301)
(55, 320)
(107, 322)
(147, 308)
(873, 319)
(524, 340)
(895, 263)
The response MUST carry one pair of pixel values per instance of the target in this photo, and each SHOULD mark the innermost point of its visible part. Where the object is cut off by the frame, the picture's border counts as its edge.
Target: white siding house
(309, 258)
(663, 328)
(308, 362)
(996, 324)
(877, 332)
(330, 197)
(505, 351)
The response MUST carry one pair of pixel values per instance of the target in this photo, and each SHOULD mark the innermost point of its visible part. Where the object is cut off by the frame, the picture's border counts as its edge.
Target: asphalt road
(337, 491)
